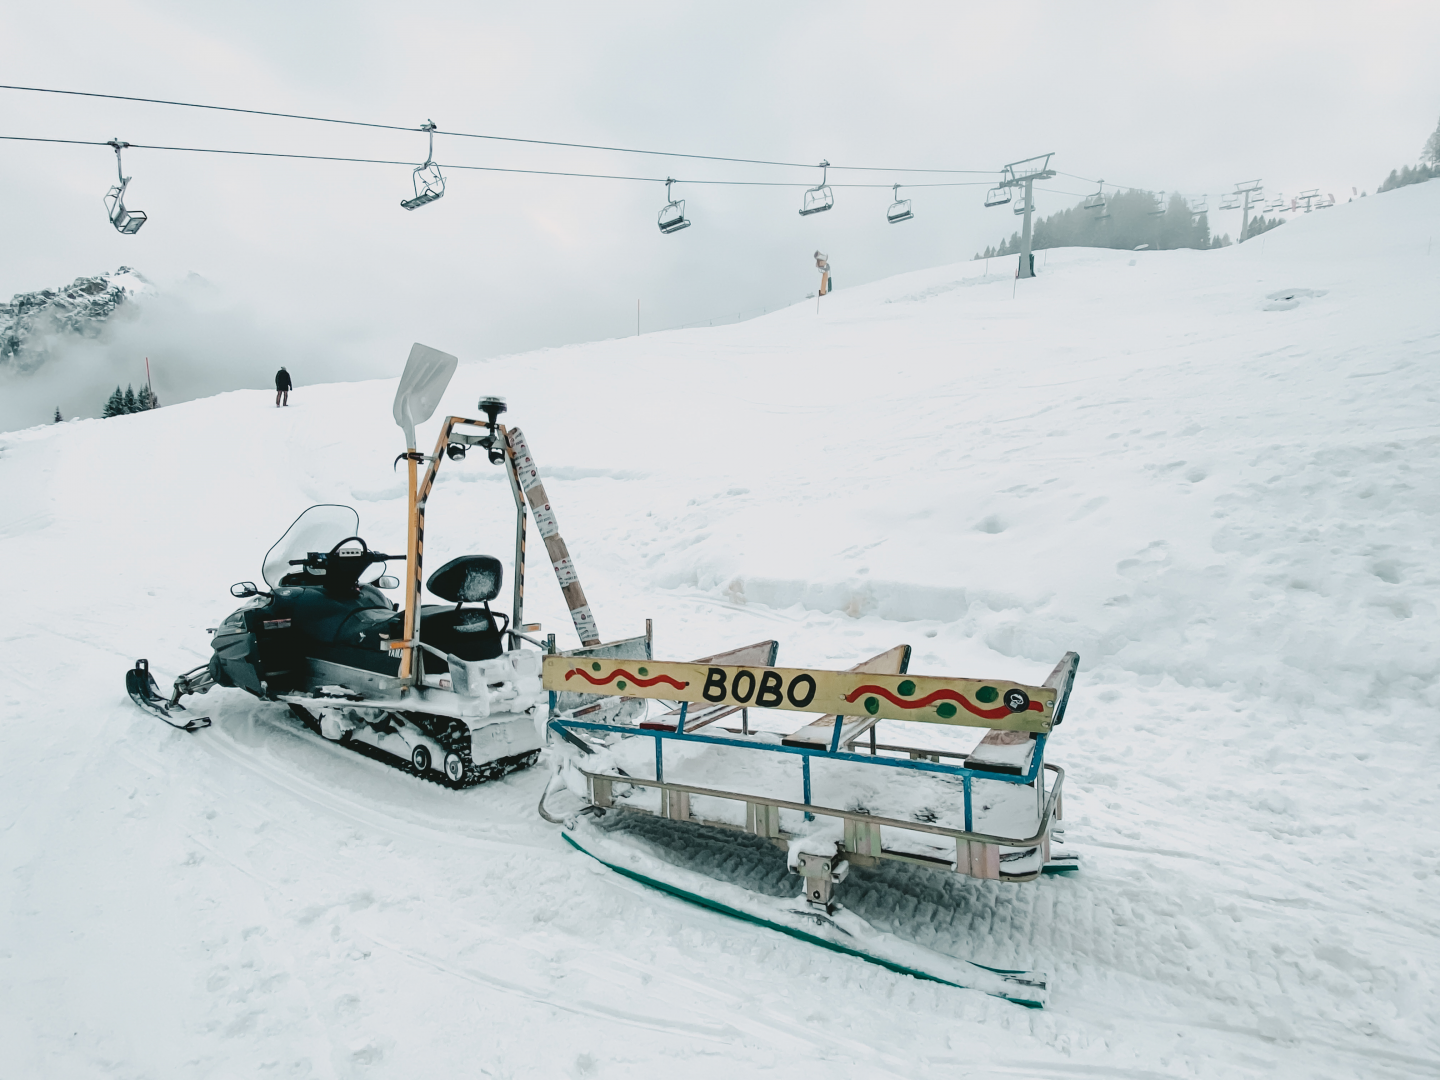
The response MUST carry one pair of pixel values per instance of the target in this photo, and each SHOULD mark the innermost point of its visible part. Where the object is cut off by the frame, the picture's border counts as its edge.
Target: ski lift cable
(471, 135)
(471, 168)
(1150, 191)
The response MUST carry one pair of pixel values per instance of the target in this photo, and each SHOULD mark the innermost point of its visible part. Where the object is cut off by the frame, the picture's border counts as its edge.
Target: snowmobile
(453, 696)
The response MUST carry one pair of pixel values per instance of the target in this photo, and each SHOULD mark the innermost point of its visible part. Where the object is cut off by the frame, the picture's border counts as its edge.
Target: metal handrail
(850, 815)
(1028, 777)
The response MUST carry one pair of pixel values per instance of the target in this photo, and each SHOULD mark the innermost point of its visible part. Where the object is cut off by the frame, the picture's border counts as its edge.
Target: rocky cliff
(34, 324)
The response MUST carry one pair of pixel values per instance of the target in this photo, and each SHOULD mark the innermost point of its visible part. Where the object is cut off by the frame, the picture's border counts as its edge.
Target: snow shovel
(427, 374)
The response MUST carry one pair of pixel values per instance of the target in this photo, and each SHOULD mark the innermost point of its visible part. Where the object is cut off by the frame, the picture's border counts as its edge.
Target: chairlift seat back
(898, 212)
(672, 217)
(997, 197)
(128, 222)
(816, 200)
(429, 186)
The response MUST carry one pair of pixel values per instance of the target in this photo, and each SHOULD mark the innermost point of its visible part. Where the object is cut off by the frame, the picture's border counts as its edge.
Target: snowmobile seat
(469, 633)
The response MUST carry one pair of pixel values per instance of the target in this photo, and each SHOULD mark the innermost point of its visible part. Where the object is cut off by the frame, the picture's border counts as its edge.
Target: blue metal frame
(967, 776)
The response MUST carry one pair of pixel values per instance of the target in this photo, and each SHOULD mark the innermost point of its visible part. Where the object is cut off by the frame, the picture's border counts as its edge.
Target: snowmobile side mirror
(427, 374)
(243, 589)
(387, 581)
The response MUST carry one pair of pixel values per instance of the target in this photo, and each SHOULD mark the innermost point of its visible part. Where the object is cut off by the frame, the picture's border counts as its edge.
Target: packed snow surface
(1214, 474)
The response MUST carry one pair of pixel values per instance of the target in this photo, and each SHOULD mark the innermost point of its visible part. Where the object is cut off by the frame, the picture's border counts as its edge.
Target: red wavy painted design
(618, 672)
(946, 694)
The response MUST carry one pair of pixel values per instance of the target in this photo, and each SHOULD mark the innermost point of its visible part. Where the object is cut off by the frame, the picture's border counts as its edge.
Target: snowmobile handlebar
(362, 558)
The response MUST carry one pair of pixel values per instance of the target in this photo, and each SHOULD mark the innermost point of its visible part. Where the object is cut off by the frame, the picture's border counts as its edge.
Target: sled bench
(761, 654)
(820, 732)
(1010, 751)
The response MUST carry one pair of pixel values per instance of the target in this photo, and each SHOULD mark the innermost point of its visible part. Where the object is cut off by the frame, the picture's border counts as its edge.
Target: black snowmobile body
(320, 641)
(295, 638)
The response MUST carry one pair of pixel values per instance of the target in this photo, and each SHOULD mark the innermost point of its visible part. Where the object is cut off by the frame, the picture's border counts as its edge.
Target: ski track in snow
(1226, 503)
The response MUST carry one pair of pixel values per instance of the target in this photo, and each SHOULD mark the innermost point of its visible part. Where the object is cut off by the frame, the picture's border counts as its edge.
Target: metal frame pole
(1025, 253)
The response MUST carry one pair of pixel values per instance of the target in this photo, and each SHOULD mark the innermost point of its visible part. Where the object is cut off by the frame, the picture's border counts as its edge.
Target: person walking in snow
(282, 387)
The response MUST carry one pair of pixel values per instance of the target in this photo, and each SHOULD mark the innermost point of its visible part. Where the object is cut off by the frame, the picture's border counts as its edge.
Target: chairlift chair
(899, 209)
(1156, 211)
(1201, 206)
(672, 217)
(126, 222)
(998, 196)
(1230, 202)
(820, 197)
(429, 184)
(1096, 201)
(1021, 206)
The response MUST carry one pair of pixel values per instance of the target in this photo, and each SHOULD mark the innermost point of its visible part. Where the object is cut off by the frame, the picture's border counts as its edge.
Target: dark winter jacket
(282, 380)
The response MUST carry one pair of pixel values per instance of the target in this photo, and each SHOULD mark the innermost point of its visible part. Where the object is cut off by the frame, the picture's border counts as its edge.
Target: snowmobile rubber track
(141, 687)
(474, 774)
(801, 935)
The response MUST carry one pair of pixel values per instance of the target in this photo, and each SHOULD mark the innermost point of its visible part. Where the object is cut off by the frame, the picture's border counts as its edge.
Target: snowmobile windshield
(318, 529)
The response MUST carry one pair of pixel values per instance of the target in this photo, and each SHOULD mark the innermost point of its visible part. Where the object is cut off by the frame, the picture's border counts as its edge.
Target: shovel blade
(427, 374)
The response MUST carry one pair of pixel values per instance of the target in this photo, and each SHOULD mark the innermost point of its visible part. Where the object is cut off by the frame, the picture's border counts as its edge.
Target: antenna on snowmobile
(427, 374)
(492, 407)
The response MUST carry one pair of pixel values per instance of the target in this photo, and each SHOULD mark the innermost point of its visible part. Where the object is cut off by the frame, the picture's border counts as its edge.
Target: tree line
(128, 401)
(1128, 220)
(1428, 169)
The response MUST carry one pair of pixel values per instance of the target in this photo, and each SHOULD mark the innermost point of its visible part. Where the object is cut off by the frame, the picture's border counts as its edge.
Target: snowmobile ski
(840, 931)
(144, 691)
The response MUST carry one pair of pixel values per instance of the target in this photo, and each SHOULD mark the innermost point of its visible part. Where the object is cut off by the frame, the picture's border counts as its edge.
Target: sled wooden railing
(997, 704)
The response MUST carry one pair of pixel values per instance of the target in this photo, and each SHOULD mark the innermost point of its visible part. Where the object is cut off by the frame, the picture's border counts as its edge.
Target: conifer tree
(131, 405)
(58, 417)
(115, 406)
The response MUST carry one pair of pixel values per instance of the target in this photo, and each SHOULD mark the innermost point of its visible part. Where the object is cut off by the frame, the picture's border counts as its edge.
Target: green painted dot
(906, 688)
(595, 667)
(987, 694)
(644, 672)
(946, 709)
(872, 705)
(620, 684)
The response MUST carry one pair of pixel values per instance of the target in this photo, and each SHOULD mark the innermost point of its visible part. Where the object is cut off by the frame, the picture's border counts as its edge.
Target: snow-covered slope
(1215, 474)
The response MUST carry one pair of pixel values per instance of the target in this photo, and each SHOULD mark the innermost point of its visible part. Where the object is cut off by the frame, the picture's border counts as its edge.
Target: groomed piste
(1210, 474)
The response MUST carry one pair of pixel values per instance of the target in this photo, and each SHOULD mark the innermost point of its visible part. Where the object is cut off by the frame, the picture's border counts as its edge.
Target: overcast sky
(316, 265)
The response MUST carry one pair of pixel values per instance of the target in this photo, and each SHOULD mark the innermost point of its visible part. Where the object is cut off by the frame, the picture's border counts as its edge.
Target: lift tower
(1024, 174)
(1247, 189)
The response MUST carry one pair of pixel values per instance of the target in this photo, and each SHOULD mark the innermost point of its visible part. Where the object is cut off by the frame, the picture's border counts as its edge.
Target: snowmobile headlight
(497, 456)
(455, 452)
